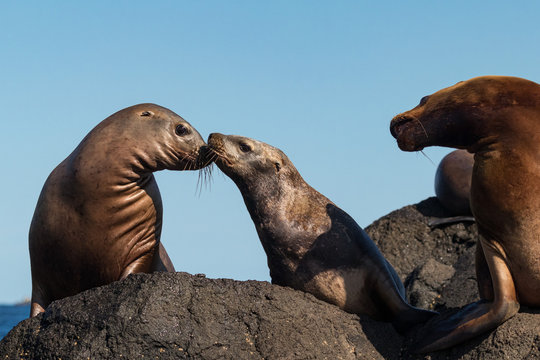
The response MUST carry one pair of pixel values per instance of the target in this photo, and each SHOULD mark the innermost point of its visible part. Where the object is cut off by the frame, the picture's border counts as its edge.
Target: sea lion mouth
(213, 154)
(191, 161)
(403, 129)
(396, 126)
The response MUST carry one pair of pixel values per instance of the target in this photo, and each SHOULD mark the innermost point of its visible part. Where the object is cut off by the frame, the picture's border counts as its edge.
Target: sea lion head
(150, 137)
(247, 161)
(456, 116)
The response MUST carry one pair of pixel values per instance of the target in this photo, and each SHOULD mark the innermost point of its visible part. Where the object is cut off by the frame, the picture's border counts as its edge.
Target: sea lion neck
(285, 204)
(256, 192)
(111, 164)
(506, 130)
(116, 158)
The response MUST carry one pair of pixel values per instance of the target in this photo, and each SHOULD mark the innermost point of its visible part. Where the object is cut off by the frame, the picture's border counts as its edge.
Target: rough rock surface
(179, 316)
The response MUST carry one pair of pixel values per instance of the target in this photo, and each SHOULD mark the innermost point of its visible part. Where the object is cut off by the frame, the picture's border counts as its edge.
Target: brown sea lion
(98, 218)
(498, 119)
(311, 244)
(453, 186)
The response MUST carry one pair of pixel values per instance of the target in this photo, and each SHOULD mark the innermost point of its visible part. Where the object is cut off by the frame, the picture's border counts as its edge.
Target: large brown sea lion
(311, 244)
(498, 119)
(98, 218)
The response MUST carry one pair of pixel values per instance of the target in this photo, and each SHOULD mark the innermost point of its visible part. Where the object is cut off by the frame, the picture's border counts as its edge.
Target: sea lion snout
(216, 150)
(396, 123)
(400, 128)
(215, 140)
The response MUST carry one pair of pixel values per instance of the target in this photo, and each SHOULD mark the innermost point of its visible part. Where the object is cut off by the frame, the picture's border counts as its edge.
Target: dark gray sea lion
(311, 244)
(453, 186)
(98, 218)
(498, 119)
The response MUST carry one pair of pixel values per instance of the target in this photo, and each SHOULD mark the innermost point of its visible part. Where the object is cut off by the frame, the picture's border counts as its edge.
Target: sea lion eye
(146, 113)
(424, 100)
(181, 130)
(245, 147)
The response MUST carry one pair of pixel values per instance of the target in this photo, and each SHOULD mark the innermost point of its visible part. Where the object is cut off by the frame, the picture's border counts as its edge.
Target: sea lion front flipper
(477, 318)
(142, 264)
(36, 308)
(435, 222)
(162, 261)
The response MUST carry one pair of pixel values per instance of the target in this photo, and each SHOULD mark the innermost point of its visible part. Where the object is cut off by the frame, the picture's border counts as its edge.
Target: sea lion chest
(97, 220)
(504, 200)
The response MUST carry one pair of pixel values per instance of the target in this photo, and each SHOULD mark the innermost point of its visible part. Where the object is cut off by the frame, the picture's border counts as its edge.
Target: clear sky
(319, 79)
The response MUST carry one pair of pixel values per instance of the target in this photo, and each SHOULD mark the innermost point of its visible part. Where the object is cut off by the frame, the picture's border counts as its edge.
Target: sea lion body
(453, 182)
(453, 187)
(99, 214)
(311, 244)
(498, 119)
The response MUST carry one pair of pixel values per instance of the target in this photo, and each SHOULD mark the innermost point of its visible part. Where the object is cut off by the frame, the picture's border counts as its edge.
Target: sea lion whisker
(222, 157)
(427, 157)
(204, 178)
(423, 128)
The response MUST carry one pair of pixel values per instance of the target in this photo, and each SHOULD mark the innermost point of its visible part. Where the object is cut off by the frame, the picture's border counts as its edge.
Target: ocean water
(11, 315)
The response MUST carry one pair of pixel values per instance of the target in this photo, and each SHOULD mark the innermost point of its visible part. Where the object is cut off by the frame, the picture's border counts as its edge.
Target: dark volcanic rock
(179, 316)
(436, 264)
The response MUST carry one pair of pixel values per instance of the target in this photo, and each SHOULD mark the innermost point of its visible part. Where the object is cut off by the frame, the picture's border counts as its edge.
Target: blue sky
(319, 79)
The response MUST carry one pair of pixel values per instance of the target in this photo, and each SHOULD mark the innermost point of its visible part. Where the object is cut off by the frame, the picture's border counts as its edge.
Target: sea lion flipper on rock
(157, 260)
(37, 304)
(311, 244)
(478, 317)
(436, 222)
(163, 262)
(498, 119)
(388, 293)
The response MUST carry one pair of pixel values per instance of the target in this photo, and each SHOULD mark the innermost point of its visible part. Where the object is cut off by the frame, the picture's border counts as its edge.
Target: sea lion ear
(278, 166)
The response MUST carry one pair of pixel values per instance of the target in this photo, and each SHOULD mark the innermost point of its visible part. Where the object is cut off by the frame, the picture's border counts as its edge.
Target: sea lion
(498, 119)
(99, 215)
(453, 186)
(310, 243)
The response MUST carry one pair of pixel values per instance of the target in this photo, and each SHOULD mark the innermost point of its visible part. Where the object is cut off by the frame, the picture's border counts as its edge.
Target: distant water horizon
(11, 315)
